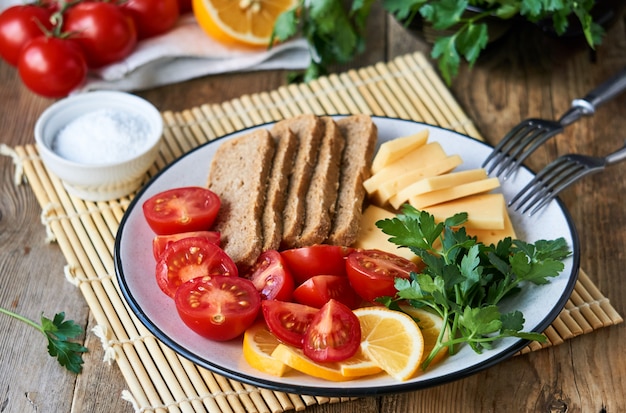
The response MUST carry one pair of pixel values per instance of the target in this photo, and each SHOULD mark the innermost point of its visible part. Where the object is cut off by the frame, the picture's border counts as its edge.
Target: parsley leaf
(58, 332)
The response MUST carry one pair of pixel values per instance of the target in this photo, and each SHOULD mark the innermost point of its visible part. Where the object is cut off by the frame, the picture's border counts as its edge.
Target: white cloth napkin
(186, 52)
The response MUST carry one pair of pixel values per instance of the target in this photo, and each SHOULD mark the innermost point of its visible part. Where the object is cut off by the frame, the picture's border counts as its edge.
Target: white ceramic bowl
(111, 178)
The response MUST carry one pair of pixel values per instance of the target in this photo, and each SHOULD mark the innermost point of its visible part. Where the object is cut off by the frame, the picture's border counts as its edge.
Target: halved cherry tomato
(372, 273)
(271, 277)
(333, 335)
(288, 321)
(185, 209)
(319, 289)
(218, 307)
(190, 258)
(160, 242)
(320, 259)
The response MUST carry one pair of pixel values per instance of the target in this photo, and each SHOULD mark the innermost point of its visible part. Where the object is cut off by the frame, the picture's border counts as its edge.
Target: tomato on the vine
(318, 259)
(218, 307)
(181, 210)
(52, 66)
(160, 242)
(152, 17)
(319, 289)
(271, 277)
(104, 32)
(190, 258)
(288, 321)
(372, 273)
(19, 25)
(334, 334)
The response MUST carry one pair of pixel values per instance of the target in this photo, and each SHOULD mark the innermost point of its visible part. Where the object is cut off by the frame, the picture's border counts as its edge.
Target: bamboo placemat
(157, 378)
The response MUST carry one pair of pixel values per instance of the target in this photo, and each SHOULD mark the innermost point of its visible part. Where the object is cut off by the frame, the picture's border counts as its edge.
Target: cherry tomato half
(288, 321)
(218, 307)
(190, 258)
(271, 277)
(320, 259)
(185, 209)
(160, 242)
(333, 335)
(319, 289)
(20, 24)
(152, 17)
(372, 273)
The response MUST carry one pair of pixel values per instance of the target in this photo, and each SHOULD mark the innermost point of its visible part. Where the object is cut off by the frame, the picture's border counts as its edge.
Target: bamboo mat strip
(157, 378)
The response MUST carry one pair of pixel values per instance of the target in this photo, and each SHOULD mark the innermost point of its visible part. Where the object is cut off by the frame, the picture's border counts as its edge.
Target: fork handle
(590, 102)
(617, 156)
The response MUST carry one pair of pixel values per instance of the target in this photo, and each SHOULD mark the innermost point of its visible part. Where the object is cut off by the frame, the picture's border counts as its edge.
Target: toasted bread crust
(282, 166)
(321, 196)
(239, 176)
(360, 133)
(308, 129)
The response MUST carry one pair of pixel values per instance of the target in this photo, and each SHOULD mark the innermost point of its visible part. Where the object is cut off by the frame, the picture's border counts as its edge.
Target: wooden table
(525, 75)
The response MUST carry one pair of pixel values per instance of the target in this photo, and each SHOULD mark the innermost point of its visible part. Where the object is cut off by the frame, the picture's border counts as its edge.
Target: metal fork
(528, 135)
(560, 174)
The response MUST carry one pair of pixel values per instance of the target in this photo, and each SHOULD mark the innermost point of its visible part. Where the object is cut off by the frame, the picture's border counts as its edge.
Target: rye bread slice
(282, 165)
(239, 176)
(308, 129)
(321, 196)
(360, 133)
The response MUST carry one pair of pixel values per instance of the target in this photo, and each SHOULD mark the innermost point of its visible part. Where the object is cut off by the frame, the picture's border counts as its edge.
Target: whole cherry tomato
(51, 66)
(19, 25)
(104, 32)
(152, 17)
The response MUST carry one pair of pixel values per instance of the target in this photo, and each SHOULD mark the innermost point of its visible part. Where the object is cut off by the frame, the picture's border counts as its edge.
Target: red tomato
(333, 335)
(190, 258)
(184, 6)
(288, 321)
(218, 307)
(152, 17)
(160, 242)
(19, 25)
(372, 272)
(271, 277)
(51, 66)
(321, 259)
(191, 208)
(319, 289)
(104, 32)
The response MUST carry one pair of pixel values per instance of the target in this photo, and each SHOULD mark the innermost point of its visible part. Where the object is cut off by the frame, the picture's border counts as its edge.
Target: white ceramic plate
(135, 271)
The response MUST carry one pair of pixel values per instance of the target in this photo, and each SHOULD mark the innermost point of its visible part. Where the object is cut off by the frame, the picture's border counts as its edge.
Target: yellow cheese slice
(372, 237)
(424, 155)
(492, 236)
(435, 183)
(391, 187)
(484, 211)
(392, 150)
(448, 194)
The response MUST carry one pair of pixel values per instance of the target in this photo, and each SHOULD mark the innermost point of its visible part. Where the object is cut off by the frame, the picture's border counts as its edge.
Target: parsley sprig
(464, 280)
(58, 332)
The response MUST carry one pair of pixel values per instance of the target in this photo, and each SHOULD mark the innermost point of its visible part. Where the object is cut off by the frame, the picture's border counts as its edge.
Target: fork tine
(504, 165)
(502, 147)
(533, 143)
(572, 173)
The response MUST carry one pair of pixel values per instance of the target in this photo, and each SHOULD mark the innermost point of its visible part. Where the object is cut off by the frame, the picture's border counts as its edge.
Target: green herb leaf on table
(464, 280)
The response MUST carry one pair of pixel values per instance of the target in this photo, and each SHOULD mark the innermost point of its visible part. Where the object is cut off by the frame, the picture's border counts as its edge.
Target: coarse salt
(102, 136)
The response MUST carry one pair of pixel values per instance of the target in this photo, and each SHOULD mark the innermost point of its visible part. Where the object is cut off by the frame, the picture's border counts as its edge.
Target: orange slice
(392, 340)
(431, 325)
(296, 359)
(243, 22)
(358, 365)
(258, 345)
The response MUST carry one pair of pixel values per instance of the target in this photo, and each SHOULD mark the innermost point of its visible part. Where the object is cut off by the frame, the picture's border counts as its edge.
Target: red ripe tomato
(190, 258)
(160, 242)
(320, 259)
(186, 209)
(104, 32)
(271, 277)
(51, 66)
(319, 289)
(288, 321)
(372, 273)
(218, 307)
(19, 25)
(333, 335)
(184, 6)
(152, 17)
